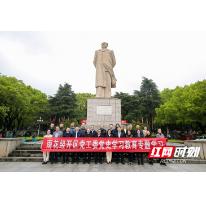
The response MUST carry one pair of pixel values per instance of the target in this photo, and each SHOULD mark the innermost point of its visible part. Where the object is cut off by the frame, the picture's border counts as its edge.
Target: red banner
(81, 144)
(123, 122)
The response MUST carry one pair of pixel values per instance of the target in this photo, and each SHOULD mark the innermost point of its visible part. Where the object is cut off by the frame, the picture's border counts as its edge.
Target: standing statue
(104, 61)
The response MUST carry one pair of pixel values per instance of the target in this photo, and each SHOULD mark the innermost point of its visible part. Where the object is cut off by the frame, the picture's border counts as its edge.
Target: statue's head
(104, 45)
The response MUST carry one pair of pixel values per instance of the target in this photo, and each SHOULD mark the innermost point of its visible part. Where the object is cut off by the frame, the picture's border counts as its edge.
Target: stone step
(27, 151)
(25, 155)
(30, 145)
(28, 148)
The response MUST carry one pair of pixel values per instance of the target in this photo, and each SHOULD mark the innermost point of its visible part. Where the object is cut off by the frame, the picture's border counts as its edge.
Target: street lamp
(167, 129)
(39, 121)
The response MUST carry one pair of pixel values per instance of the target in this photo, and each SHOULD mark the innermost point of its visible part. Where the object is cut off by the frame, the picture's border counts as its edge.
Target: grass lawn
(30, 138)
(173, 140)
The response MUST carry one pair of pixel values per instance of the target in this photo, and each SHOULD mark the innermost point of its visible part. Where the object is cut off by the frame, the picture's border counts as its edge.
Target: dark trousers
(130, 157)
(118, 154)
(65, 154)
(75, 158)
(140, 156)
(87, 156)
(98, 157)
(54, 157)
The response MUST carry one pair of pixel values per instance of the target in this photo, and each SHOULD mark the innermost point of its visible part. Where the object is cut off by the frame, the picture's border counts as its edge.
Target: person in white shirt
(46, 154)
(109, 154)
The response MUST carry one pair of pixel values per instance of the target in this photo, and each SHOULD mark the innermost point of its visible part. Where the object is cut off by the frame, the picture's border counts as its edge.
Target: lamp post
(39, 121)
(167, 129)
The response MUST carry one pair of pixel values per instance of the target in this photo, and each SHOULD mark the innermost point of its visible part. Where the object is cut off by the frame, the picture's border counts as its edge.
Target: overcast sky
(46, 59)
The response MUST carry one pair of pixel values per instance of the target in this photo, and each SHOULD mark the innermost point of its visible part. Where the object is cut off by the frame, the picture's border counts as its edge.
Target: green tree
(186, 106)
(149, 97)
(82, 104)
(20, 104)
(63, 104)
(129, 106)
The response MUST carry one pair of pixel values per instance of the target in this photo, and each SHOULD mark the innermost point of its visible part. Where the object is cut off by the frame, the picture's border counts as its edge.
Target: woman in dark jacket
(149, 136)
(109, 154)
(130, 154)
(139, 154)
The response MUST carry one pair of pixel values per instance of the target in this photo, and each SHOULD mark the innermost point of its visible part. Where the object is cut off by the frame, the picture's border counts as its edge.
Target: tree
(20, 104)
(149, 97)
(129, 106)
(63, 104)
(185, 106)
(82, 104)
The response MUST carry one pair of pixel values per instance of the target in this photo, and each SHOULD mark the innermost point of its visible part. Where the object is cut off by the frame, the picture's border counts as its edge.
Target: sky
(46, 59)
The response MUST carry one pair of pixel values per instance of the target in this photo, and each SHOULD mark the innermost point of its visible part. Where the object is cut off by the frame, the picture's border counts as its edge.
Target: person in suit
(87, 155)
(46, 154)
(139, 154)
(119, 134)
(145, 131)
(124, 130)
(83, 130)
(149, 136)
(109, 154)
(98, 155)
(92, 131)
(112, 130)
(66, 154)
(137, 128)
(160, 135)
(76, 134)
(56, 134)
(130, 154)
(103, 131)
(132, 131)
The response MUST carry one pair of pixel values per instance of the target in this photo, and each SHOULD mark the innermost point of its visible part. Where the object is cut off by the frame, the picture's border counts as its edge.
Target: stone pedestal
(104, 111)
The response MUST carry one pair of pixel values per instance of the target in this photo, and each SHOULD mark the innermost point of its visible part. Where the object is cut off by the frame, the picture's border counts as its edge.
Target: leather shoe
(122, 162)
(117, 162)
(100, 162)
(63, 162)
(56, 162)
(84, 162)
(95, 162)
(67, 162)
(142, 163)
(52, 162)
(43, 162)
(77, 162)
(88, 162)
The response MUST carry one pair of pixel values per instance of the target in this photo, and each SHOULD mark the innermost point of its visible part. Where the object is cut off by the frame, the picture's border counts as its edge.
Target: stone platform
(104, 111)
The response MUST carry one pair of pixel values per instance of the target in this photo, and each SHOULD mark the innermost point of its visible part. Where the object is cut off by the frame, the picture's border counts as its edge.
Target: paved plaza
(38, 167)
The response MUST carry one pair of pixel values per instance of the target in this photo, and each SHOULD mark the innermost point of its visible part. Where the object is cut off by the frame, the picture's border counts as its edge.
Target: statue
(104, 61)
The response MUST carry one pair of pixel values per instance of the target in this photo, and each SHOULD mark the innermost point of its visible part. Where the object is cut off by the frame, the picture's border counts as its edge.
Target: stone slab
(7, 145)
(109, 105)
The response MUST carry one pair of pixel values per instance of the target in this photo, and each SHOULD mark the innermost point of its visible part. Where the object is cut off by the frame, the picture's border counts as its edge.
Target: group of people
(72, 131)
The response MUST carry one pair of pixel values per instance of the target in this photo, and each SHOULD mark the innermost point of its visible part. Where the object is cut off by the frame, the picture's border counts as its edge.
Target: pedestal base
(104, 111)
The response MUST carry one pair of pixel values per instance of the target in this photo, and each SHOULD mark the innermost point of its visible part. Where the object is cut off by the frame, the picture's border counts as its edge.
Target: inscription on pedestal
(104, 110)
